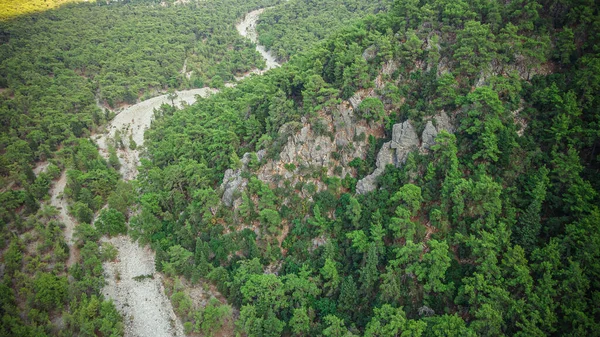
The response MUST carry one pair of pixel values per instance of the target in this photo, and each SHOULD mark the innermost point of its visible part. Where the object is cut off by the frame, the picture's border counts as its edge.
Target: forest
(64, 74)
(295, 26)
(491, 229)
(491, 232)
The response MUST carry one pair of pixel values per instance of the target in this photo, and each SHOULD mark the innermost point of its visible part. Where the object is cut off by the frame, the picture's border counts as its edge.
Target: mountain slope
(485, 231)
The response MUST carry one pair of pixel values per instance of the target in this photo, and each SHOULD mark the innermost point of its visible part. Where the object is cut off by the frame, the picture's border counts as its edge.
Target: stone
(261, 154)
(443, 122)
(404, 135)
(245, 159)
(231, 183)
(386, 156)
(428, 136)
(404, 140)
(370, 53)
(359, 130)
(355, 100)
(367, 184)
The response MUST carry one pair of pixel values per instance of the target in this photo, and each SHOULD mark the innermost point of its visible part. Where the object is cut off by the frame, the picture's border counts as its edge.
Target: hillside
(411, 169)
(427, 171)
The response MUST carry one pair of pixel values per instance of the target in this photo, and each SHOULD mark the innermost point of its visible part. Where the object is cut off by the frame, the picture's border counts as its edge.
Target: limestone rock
(370, 53)
(231, 183)
(386, 156)
(404, 140)
(442, 122)
(367, 184)
(428, 136)
(355, 100)
(261, 154)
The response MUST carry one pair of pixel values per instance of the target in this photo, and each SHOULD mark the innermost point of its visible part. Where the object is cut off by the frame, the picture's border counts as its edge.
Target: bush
(82, 212)
(111, 222)
(371, 109)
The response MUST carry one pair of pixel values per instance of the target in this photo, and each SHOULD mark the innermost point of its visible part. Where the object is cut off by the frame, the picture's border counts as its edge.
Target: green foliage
(122, 198)
(50, 291)
(92, 315)
(490, 232)
(294, 26)
(213, 318)
(111, 222)
(371, 109)
(55, 65)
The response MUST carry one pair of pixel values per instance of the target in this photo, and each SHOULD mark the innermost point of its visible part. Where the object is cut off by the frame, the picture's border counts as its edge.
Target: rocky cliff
(404, 140)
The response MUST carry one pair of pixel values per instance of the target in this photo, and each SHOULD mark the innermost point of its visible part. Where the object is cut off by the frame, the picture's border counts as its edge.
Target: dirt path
(57, 200)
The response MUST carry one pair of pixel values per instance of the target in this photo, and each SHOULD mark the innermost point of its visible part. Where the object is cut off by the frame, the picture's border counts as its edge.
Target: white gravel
(143, 303)
(146, 309)
(134, 121)
(247, 28)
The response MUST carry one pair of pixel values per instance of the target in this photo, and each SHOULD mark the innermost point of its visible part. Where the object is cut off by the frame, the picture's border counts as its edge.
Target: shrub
(111, 222)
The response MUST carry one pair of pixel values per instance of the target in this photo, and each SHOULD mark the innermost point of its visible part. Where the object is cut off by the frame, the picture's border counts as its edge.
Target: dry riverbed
(132, 281)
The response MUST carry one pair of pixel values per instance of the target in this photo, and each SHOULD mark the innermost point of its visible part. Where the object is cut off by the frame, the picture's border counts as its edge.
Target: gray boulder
(231, 183)
(386, 156)
(428, 136)
(404, 140)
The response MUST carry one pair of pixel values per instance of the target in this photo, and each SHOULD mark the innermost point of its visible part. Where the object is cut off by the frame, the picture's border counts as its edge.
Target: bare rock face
(370, 53)
(404, 140)
(443, 122)
(355, 100)
(314, 150)
(344, 139)
(231, 183)
(428, 136)
(386, 156)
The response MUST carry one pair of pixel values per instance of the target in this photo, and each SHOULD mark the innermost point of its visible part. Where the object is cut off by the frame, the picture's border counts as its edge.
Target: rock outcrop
(339, 140)
(233, 181)
(404, 140)
(428, 136)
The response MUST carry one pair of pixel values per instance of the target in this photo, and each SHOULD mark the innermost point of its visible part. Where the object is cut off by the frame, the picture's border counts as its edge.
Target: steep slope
(426, 171)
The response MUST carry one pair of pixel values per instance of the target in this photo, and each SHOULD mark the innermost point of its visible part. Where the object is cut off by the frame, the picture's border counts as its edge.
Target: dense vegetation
(42, 292)
(491, 232)
(295, 26)
(56, 69)
(56, 64)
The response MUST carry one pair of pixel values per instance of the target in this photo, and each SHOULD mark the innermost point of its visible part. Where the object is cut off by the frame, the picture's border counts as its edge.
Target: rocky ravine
(57, 200)
(404, 140)
(146, 309)
(132, 281)
(134, 121)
